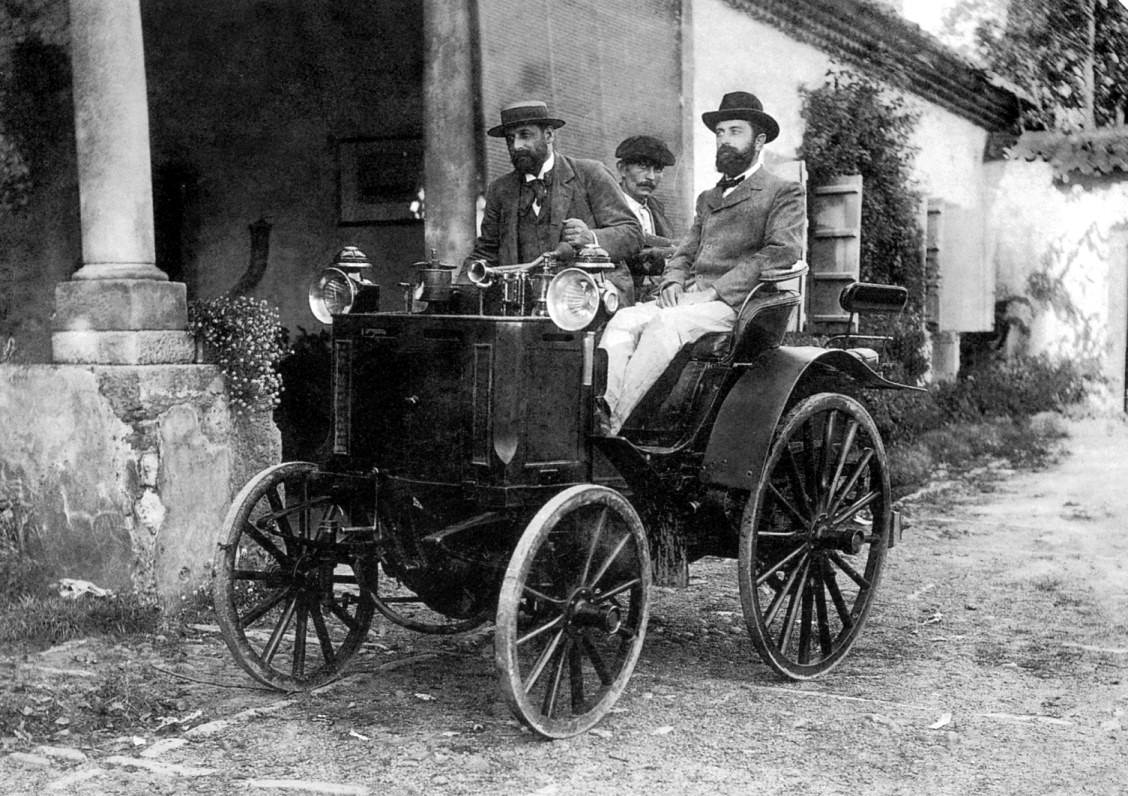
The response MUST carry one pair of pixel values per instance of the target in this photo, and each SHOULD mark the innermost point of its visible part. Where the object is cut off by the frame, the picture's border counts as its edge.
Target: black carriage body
(493, 405)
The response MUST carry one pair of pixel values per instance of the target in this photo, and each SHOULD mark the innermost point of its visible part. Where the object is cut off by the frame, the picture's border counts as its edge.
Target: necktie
(533, 194)
(730, 182)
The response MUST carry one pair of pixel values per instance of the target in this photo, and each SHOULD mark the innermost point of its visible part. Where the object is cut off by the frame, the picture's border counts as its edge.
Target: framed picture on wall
(379, 180)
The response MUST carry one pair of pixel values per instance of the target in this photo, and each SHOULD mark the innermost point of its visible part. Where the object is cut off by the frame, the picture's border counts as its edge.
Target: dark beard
(732, 161)
(526, 162)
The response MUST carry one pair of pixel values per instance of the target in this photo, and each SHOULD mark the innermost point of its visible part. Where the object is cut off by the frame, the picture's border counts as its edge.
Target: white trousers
(642, 340)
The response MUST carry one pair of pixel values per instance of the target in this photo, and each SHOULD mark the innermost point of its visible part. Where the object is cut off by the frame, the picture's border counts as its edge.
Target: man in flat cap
(750, 222)
(551, 198)
(641, 161)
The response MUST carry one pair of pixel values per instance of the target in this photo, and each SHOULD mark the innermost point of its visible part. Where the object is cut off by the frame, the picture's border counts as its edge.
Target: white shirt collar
(641, 212)
(634, 204)
(748, 172)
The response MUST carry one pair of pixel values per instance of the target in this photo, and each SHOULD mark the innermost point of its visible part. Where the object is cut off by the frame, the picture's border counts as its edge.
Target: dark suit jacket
(663, 237)
(583, 189)
(646, 266)
(759, 225)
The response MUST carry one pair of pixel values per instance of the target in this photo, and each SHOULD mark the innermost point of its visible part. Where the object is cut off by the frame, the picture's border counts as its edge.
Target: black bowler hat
(524, 112)
(742, 105)
(644, 148)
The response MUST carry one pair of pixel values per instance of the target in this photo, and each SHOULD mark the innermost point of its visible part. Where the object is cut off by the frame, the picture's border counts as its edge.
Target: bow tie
(533, 191)
(730, 182)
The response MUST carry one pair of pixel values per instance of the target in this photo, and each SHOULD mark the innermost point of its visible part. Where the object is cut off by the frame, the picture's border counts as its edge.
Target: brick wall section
(609, 70)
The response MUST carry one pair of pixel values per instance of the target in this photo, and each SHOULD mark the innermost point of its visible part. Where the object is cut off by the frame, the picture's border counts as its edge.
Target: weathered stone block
(123, 348)
(126, 472)
(120, 305)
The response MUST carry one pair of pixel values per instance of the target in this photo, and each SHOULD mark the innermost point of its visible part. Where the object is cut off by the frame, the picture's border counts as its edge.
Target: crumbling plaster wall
(1059, 248)
(124, 474)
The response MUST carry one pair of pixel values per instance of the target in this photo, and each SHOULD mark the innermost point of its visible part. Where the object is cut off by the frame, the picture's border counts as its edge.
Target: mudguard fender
(742, 434)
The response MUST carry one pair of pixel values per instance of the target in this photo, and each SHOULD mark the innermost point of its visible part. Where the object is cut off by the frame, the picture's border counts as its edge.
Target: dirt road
(996, 661)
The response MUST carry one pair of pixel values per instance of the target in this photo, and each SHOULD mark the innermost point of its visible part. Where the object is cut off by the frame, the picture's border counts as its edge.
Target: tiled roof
(865, 34)
(1098, 152)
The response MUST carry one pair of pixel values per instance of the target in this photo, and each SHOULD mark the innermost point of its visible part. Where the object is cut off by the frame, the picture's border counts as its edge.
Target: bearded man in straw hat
(551, 198)
(750, 222)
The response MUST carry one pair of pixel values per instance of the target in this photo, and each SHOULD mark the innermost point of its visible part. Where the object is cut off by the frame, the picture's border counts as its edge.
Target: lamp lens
(331, 293)
(573, 299)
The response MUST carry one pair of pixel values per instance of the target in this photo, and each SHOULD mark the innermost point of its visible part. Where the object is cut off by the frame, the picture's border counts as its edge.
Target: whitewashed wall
(1074, 238)
(733, 52)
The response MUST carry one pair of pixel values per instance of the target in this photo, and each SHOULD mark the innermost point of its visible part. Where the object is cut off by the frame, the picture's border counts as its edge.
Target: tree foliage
(855, 125)
(1069, 56)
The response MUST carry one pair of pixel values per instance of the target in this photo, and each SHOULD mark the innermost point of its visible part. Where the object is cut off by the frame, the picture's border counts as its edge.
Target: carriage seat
(680, 400)
(760, 322)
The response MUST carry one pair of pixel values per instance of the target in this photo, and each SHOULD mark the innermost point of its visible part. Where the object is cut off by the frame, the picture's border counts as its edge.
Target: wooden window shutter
(933, 233)
(835, 250)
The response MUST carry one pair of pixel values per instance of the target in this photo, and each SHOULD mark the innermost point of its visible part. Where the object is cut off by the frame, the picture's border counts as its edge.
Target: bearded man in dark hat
(642, 159)
(551, 198)
(750, 222)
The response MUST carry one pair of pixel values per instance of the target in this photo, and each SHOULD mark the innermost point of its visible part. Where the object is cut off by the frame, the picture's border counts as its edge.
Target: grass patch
(962, 447)
(34, 615)
(39, 622)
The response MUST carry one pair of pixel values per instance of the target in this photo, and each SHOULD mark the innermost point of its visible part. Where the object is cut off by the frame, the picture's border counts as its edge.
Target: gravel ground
(995, 661)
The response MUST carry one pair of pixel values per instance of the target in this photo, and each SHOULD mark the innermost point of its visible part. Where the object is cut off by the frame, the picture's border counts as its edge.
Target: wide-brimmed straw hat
(742, 105)
(524, 112)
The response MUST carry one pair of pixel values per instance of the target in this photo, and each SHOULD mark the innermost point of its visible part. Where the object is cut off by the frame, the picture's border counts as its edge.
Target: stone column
(118, 308)
(449, 129)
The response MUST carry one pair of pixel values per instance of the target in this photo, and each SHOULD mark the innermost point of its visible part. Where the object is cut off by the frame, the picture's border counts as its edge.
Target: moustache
(647, 184)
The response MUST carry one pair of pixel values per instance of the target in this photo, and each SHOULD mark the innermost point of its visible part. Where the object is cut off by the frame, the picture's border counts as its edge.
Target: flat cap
(644, 147)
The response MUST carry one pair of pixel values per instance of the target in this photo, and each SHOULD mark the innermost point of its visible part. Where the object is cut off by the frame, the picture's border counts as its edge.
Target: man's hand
(654, 258)
(699, 296)
(577, 233)
(670, 296)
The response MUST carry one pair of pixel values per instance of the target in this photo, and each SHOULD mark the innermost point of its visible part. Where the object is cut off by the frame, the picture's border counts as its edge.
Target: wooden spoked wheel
(572, 611)
(814, 535)
(286, 596)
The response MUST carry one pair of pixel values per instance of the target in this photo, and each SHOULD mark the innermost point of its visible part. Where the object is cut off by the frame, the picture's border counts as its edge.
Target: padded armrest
(783, 274)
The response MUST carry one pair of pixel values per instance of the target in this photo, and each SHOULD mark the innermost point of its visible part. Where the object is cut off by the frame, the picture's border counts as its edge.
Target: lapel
(563, 186)
(507, 255)
(746, 190)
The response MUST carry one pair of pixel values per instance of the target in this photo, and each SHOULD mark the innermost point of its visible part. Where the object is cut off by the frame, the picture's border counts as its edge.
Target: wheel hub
(583, 612)
(828, 536)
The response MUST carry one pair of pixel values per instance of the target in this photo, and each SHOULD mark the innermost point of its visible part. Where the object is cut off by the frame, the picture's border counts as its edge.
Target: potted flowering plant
(244, 338)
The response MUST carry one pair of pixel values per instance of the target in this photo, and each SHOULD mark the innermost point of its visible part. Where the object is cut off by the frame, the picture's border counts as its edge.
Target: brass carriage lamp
(344, 286)
(434, 282)
(579, 296)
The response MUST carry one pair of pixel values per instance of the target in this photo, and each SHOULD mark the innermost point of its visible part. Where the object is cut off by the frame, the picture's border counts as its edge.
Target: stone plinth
(124, 474)
(121, 322)
(123, 348)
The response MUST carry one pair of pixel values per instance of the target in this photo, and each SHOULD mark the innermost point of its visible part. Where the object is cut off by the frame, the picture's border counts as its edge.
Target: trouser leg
(619, 340)
(659, 343)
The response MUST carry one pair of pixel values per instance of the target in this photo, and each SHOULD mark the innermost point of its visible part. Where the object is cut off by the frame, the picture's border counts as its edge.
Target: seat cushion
(711, 347)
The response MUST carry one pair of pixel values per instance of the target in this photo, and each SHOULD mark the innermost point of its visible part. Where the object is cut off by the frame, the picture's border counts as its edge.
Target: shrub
(854, 124)
(243, 337)
(1019, 388)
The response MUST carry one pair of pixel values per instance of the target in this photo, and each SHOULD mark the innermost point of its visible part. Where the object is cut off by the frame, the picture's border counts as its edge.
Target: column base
(120, 305)
(123, 348)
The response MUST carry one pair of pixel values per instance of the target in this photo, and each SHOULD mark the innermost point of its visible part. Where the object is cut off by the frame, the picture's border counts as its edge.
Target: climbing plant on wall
(856, 125)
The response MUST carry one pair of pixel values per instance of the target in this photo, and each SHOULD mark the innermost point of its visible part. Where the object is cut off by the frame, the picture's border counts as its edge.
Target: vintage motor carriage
(465, 480)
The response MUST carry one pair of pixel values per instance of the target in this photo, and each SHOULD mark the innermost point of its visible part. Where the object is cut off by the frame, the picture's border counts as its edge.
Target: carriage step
(895, 530)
